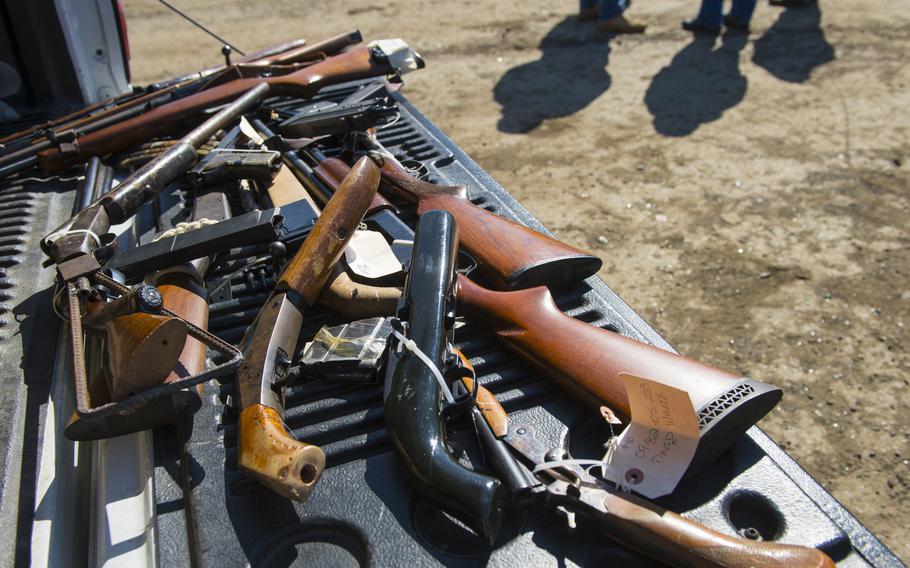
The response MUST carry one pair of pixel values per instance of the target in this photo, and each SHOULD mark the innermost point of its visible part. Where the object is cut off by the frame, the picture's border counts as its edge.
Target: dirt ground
(748, 196)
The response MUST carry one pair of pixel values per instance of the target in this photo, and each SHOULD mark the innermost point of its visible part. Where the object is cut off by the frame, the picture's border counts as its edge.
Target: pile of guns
(138, 313)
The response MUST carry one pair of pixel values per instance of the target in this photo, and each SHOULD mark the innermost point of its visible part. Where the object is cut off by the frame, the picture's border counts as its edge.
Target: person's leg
(609, 9)
(740, 14)
(711, 15)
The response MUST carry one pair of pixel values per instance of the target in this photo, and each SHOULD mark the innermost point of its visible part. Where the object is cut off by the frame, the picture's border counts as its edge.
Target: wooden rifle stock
(509, 255)
(141, 350)
(671, 538)
(355, 64)
(587, 361)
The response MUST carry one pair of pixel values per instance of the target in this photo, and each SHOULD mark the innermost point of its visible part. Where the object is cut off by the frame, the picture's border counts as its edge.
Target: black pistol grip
(412, 404)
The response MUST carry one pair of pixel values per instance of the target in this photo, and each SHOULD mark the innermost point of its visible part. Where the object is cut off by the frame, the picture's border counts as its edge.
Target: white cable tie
(53, 237)
(412, 347)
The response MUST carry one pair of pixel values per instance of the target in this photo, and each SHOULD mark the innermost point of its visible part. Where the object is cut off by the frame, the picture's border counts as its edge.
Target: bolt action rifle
(357, 63)
(20, 150)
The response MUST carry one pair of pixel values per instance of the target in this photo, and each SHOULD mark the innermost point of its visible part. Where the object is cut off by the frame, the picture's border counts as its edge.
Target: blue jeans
(609, 9)
(712, 12)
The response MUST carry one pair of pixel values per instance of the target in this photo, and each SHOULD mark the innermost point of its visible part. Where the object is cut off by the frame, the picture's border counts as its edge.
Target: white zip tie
(412, 347)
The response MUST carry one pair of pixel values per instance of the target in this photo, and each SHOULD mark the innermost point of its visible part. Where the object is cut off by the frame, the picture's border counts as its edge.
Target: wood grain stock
(582, 359)
(673, 539)
(166, 119)
(141, 350)
(308, 270)
(179, 296)
(268, 452)
(509, 255)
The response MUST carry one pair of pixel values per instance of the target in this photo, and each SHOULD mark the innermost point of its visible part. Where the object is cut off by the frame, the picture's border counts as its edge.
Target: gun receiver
(412, 401)
(586, 361)
(508, 254)
(355, 64)
(629, 520)
(267, 451)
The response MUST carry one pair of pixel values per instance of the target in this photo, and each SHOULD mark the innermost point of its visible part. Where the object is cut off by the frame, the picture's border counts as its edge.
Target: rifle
(355, 64)
(586, 361)
(266, 449)
(631, 521)
(508, 254)
(19, 150)
(354, 300)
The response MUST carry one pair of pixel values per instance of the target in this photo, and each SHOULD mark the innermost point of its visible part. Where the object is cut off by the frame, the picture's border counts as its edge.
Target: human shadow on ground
(570, 74)
(794, 46)
(698, 85)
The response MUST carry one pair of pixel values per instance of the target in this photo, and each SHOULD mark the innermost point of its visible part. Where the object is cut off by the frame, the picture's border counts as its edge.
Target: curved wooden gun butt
(268, 452)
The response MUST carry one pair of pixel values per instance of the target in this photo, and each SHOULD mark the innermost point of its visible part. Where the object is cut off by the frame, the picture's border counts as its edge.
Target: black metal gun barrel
(412, 405)
(149, 180)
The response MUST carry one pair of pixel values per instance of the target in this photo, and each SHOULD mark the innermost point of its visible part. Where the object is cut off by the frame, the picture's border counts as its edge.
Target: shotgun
(358, 63)
(412, 398)
(267, 451)
(508, 254)
(586, 361)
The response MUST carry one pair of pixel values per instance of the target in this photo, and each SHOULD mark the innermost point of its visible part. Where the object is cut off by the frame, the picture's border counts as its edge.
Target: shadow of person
(570, 74)
(794, 45)
(698, 85)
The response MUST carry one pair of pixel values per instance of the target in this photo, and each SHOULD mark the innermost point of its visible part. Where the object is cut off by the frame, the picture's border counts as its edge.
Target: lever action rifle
(358, 63)
(631, 521)
(508, 254)
(267, 451)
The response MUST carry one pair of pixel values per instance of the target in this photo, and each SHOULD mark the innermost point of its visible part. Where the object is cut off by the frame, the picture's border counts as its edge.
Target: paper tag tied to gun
(654, 451)
(369, 255)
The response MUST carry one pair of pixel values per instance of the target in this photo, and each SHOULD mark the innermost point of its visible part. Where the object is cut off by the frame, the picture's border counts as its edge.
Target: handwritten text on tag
(656, 448)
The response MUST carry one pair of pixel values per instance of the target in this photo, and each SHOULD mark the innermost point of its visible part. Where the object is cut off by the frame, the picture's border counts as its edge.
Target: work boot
(735, 25)
(588, 14)
(620, 25)
(697, 27)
